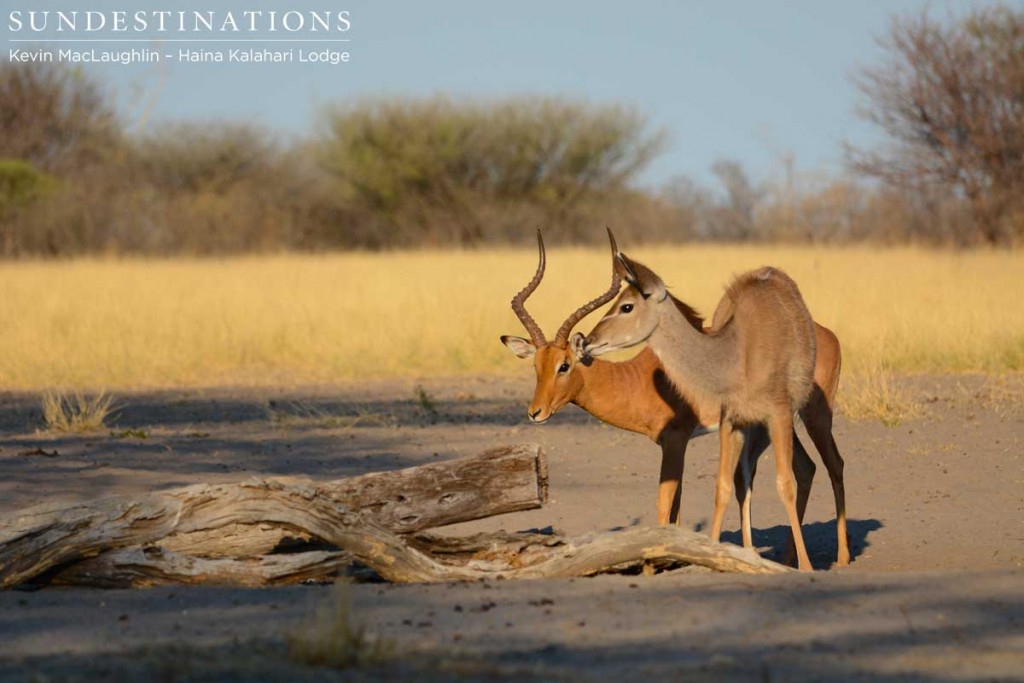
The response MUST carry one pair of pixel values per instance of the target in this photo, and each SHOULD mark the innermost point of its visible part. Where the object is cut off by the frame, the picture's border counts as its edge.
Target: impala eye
(563, 368)
(626, 308)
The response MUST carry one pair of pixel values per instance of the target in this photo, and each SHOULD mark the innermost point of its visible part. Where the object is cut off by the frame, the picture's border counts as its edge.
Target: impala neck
(703, 363)
(608, 389)
(636, 395)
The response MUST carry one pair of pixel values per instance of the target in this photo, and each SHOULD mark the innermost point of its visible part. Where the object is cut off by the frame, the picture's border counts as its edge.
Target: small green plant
(75, 413)
(130, 434)
(426, 403)
(21, 183)
(330, 637)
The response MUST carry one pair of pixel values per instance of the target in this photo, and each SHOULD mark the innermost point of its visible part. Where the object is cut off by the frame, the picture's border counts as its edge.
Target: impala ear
(523, 348)
(576, 344)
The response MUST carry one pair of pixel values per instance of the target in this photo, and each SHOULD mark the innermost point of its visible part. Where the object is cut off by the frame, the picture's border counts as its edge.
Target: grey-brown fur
(757, 362)
(777, 332)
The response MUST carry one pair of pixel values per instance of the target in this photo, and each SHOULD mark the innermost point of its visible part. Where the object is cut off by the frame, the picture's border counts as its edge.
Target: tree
(54, 117)
(21, 183)
(441, 171)
(216, 187)
(735, 216)
(950, 98)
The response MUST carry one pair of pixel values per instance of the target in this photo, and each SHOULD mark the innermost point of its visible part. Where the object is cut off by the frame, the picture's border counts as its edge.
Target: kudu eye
(563, 368)
(626, 308)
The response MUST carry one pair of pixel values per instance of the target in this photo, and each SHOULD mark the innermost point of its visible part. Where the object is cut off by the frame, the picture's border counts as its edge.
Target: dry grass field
(294, 319)
(934, 591)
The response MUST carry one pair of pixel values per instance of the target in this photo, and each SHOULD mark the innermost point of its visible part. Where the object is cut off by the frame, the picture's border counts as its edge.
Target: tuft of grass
(305, 414)
(75, 413)
(331, 638)
(877, 394)
(995, 393)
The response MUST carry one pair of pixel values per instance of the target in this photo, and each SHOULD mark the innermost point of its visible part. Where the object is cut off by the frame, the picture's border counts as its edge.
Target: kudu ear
(642, 278)
(623, 267)
(523, 348)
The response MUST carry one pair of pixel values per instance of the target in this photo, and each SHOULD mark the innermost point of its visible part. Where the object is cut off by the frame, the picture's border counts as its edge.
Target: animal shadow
(819, 537)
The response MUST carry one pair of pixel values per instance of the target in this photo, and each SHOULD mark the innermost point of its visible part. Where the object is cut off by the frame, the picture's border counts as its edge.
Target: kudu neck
(704, 362)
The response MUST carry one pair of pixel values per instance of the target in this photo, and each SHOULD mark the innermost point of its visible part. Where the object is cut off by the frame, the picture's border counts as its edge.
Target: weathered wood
(427, 558)
(154, 566)
(494, 482)
(143, 567)
(500, 480)
(235, 540)
(159, 537)
(395, 560)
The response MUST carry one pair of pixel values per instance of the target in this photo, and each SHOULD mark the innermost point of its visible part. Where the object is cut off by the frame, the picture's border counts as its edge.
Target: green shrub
(440, 171)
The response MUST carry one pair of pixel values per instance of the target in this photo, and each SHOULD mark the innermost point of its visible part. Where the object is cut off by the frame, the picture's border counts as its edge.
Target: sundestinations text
(179, 21)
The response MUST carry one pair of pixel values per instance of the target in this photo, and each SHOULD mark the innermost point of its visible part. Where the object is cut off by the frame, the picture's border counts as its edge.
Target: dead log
(157, 538)
(427, 558)
(155, 566)
(497, 481)
(398, 561)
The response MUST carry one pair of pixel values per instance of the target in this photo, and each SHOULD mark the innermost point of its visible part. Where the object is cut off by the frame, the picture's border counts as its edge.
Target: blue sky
(736, 79)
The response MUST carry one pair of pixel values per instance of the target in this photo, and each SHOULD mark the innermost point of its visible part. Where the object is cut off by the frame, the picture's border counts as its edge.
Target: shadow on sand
(820, 538)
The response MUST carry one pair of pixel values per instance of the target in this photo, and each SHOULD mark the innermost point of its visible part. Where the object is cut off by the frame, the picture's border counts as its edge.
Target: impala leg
(728, 449)
(803, 470)
(780, 427)
(673, 459)
(755, 441)
(817, 417)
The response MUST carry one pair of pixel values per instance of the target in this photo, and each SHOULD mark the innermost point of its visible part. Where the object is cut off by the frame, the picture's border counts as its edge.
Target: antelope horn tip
(611, 238)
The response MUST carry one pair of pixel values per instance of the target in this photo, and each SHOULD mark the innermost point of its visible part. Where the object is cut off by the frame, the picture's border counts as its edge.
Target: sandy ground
(935, 590)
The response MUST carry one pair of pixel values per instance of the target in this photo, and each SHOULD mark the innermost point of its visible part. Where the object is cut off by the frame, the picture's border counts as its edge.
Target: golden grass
(877, 394)
(75, 412)
(292, 319)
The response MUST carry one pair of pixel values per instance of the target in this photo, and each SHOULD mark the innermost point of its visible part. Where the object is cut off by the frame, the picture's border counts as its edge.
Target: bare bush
(733, 218)
(219, 187)
(950, 99)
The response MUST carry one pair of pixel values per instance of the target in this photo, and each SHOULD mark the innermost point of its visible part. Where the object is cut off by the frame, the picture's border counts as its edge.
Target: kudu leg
(673, 460)
(729, 447)
(817, 418)
(755, 442)
(803, 469)
(780, 427)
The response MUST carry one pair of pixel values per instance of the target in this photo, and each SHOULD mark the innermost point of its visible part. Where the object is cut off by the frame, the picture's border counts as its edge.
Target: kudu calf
(637, 395)
(756, 364)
